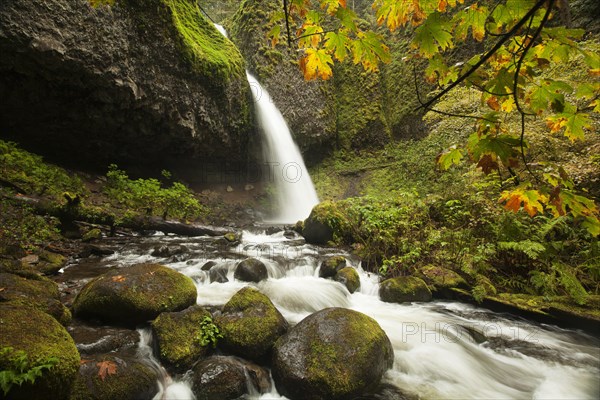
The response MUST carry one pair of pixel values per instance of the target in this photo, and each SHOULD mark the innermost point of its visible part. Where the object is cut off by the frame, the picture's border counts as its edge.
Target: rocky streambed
(258, 315)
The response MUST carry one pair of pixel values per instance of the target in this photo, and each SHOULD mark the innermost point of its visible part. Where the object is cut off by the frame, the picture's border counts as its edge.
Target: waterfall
(296, 195)
(285, 169)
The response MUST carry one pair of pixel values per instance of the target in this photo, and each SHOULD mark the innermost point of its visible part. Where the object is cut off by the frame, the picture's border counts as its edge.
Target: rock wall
(137, 83)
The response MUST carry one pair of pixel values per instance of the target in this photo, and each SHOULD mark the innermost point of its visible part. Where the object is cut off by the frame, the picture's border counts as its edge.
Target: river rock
(177, 337)
(442, 280)
(404, 289)
(102, 339)
(331, 266)
(250, 325)
(114, 376)
(136, 294)
(251, 270)
(349, 278)
(37, 292)
(208, 265)
(40, 337)
(160, 84)
(218, 274)
(335, 353)
(227, 378)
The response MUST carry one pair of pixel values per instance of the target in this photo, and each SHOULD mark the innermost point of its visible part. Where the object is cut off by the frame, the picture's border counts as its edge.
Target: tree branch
(487, 55)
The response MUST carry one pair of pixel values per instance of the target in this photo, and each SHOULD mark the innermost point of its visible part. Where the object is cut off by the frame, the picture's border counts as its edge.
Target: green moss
(40, 337)
(209, 52)
(404, 289)
(442, 278)
(361, 333)
(349, 277)
(92, 234)
(135, 294)
(250, 324)
(177, 337)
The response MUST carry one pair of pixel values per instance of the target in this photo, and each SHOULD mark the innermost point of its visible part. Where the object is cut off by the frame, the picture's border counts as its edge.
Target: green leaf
(433, 35)
(337, 44)
(368, 49)
(473, 17)
(450, 157)
(592, 225)
(347, 18)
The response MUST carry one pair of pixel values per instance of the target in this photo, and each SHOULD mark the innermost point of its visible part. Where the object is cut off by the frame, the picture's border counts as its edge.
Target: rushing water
(443, 350)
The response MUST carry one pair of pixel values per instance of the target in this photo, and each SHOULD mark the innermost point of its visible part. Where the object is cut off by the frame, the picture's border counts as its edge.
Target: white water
(295, 192)
(435, 355)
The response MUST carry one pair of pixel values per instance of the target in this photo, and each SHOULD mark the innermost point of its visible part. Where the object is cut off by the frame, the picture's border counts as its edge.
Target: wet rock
(250, 325)
(335, 353)
(91, 235)
(95, 250)
(50, 263)
(349, 278)
(103, 339)
(227, 378)
(40, 294)
(441, 280)
(208, 265)
(232, 237)
(387, 392)
(251, 270)
(317, 232)
(404, 289)
(135, 294)
(114, 376)
(218, 275)
(331, 266)
(40, 337)
(149, 95)
(177, 337)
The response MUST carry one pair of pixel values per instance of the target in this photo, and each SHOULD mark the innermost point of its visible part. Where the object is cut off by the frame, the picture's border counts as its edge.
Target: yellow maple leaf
(508, 105)
(316, 63)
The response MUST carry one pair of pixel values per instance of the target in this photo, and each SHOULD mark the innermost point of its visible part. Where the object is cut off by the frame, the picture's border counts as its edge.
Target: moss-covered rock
(441, 279)
(251, 270)
(331, 266)
(250, 324)
(404, 289)
(324, 224)
(177, 337)
(335, 353)
(50, 263)
(38, 293)
(92, 234)
(114, 376)
(40, 337)
(349, 277)
(226, 378)
(135, 294)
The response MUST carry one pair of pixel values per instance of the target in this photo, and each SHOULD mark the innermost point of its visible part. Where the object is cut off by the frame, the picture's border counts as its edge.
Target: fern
(21, 370)
(532, 249)
(571, 284)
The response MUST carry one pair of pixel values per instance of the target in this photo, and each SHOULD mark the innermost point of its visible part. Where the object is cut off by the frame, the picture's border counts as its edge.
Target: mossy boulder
(92, 234)
(50, 263)
(177, 337)
(318, 228)
(250, 325)
(40, 337)
(442, 279)
(404, 289)
(349, 277)
(335, 353)
(38, 293)
(251, 270)
(135, 294)
(331, 266)
(225, 378)
(114, 376)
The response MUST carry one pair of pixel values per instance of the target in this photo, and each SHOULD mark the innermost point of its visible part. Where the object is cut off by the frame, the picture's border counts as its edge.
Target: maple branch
(487, 55)
(526, 49)
(448, 114)
(287, 23)
(312, 34)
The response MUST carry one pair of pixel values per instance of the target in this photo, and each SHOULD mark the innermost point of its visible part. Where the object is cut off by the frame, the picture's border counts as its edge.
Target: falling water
(295, 192)
(296, 195)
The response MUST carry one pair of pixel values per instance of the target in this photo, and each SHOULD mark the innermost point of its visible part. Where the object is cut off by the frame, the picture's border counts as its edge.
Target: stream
(443, 350)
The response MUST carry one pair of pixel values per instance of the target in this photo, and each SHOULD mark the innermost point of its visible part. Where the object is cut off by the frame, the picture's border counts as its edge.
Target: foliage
(22, 228)
(520, 44)
(98, 3)
(148, 195)
(22, 370)
(209, 332)
(30, 173)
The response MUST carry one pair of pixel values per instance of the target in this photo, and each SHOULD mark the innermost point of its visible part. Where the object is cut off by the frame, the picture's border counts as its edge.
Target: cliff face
(139, 82)
(308, 107)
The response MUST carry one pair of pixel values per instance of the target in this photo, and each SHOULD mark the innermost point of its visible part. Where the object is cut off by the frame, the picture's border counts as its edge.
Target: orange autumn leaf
(118, 278)
(532, 201)
(492, 103)
(106, 368)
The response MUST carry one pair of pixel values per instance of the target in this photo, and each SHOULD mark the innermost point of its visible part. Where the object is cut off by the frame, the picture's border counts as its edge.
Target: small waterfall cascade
(295, 192)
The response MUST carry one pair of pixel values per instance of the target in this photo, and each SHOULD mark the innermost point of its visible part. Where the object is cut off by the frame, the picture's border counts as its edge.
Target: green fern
(21, 370)
(531, 248)
(571, 284)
